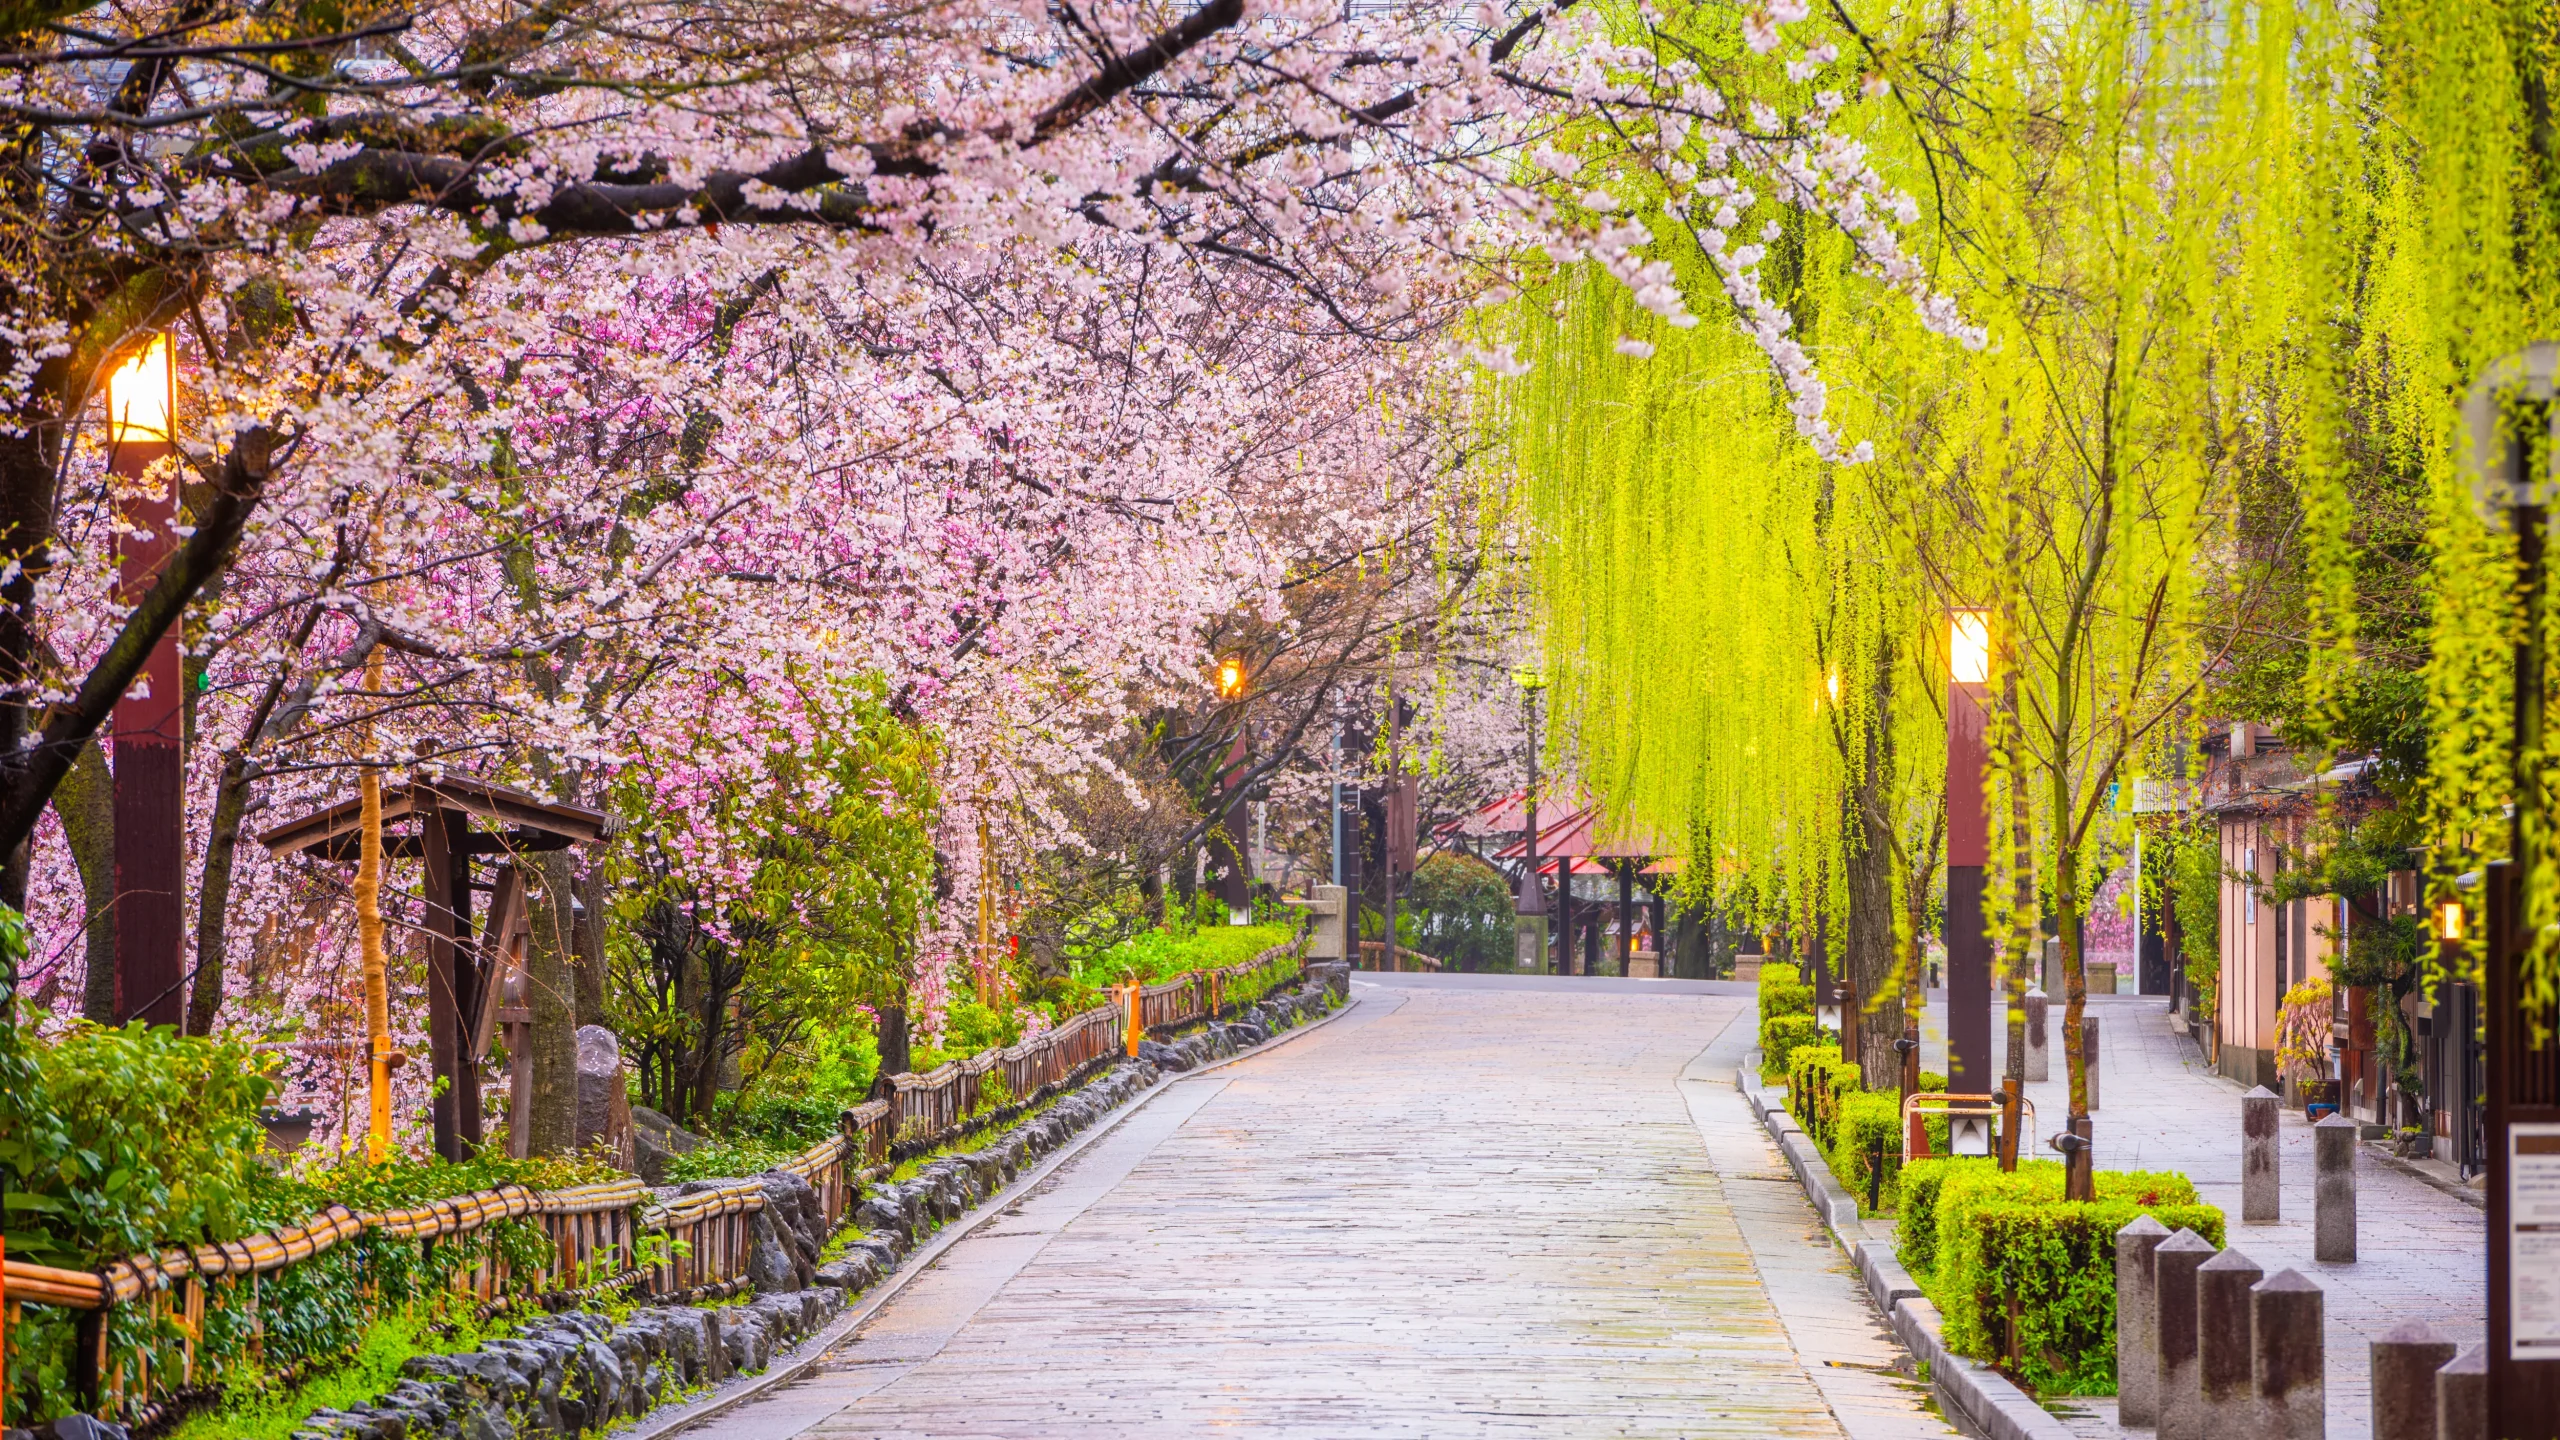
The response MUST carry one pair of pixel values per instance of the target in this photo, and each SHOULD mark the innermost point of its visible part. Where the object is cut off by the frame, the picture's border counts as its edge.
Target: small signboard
(2533, 1240)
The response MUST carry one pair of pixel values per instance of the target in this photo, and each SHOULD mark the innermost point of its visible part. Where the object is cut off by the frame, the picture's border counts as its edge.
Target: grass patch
(256, 1409)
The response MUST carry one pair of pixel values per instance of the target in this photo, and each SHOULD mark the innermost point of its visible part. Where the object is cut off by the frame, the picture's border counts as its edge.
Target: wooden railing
(1373, 956)
(603, 1238)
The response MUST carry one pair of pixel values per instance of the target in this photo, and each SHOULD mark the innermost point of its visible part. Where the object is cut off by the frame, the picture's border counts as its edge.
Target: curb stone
(1980, 1399)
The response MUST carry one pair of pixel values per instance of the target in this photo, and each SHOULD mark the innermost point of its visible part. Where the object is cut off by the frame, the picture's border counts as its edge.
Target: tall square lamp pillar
(2513, 416)
(1969, 1069)
(148, 762)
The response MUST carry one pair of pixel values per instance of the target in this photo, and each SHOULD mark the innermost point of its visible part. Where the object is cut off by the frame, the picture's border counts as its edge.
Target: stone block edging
(1984, 1401)
(805, 1357)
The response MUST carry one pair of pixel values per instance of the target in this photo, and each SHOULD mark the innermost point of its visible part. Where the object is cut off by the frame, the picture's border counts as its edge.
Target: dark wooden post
(443, 840)
(1626, 917)
(149, 763)
(1565, 918)
(2523, 1159)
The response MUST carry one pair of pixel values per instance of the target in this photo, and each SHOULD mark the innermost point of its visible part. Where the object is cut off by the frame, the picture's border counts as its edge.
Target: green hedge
(2023, 1278)
(1845, 1120)
(1781, 1035)
(1786, 1016)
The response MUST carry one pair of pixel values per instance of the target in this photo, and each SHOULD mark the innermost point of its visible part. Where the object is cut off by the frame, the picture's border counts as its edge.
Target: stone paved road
(1460, 1210)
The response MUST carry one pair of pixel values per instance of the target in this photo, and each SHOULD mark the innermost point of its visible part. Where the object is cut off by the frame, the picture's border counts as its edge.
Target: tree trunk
(894, 1052)
(86, 804)
(717, 982)
(551, 996)
(2079, 1179)
(589, 942)
(1869, 957)
(213, 897)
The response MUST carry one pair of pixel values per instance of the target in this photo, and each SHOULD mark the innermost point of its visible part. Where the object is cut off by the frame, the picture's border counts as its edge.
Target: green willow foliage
(2210, 244)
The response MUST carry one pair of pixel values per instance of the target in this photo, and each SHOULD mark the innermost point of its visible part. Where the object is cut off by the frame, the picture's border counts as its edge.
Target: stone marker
(2462, 1396)
(2138, 1322)
(2225, 1385)
(2173, 1268)
(2039, 1055)
(2333, 1190)
(2258, 1173)
(2288, 1359)
(2405, 1362)
(2089, 1056)
(604, 1096)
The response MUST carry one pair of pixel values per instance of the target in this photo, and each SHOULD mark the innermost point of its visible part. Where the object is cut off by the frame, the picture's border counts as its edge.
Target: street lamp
(150, 773)
(1968, 851)
(1529, 925)
(1235, 886)
(2513, 457)
(140, 395)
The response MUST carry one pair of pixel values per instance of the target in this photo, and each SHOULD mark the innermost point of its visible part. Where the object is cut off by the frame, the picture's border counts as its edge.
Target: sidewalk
(2422, 1252)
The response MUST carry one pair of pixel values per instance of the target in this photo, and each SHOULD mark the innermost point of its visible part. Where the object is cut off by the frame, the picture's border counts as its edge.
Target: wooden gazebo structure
(455, 819)
(1577, 846)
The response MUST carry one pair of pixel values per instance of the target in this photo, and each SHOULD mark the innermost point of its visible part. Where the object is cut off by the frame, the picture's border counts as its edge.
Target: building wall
(2255, 974)
(2248, 956)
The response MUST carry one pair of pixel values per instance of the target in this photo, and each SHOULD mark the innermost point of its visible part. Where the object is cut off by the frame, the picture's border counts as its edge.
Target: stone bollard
(2089, 1056)
(2138, 1322)
(2225, 1386)
(2462, 1396)
(2258, 1156)
(2173, 1268)
(2288, 1359)
(2405, 1362)
(2039, 1055)
(2333, 1190)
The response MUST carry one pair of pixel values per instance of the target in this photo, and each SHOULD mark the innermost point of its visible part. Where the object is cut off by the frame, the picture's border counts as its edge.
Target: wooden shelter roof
(534, 823)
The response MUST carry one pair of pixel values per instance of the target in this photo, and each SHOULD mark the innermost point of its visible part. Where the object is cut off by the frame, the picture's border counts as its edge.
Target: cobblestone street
(1467, 1207)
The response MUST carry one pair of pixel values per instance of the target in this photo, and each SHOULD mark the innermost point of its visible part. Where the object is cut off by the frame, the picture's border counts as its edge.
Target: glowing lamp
(140, 395)
(1969, 646)
(1832, 684)
(1230, 677)
(2449, 920)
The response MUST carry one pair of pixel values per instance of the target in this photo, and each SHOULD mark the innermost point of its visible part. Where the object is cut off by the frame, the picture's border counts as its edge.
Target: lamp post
(1234, 883)
(1529, 926)
(1968, 851)
(150, 774)
(2514, 463)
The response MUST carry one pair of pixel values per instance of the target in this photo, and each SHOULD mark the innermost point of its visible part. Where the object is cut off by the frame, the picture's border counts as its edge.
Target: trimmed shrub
(1780, 1035)
(2023, 1278)
(1846, 1121)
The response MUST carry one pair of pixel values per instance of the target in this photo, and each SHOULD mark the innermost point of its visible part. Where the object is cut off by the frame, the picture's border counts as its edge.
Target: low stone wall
(580, 1372)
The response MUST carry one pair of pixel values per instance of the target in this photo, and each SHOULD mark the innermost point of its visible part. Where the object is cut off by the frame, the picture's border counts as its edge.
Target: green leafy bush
(134, 1139)
(2024, 1278)
(1157, 955)
(1847, 1122)
(1780, 1035)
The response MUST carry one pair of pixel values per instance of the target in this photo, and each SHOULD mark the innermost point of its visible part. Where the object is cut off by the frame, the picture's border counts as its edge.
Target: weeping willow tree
(1726, 624)
(2152, 213)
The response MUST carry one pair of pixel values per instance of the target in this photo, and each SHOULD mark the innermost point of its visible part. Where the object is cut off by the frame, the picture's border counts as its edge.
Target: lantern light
(1230, 677)
(140, 396)
(1832, 684)
(1969, 646)
(2449, 920)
